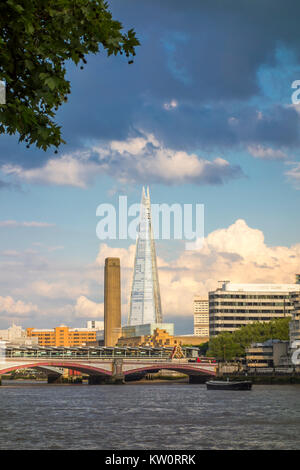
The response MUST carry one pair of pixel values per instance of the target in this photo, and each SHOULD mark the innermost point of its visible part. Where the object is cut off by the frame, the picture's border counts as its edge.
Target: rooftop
(231, 287)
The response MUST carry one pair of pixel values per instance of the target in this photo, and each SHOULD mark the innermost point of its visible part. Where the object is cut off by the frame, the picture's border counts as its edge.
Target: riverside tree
(227, 346)
(37, 38)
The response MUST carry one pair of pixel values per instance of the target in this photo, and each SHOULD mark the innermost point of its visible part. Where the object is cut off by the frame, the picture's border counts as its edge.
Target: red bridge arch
(66, 365)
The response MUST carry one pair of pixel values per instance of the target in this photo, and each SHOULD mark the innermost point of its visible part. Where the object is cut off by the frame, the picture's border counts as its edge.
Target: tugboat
(226, 385)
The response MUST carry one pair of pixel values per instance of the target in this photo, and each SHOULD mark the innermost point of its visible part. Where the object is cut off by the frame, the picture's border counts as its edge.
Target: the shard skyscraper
(145, 304)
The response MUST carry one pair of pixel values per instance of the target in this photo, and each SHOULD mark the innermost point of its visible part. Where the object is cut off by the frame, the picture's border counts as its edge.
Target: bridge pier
(54, 379)
(97, 379)
(198, 379)
(60, 379)
(117, 377)
(105, 380)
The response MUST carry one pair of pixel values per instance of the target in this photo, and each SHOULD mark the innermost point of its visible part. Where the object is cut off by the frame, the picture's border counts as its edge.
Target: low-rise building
(159, 338)
(271, 353)
(63, 336)
(14, 332)
(146, 329)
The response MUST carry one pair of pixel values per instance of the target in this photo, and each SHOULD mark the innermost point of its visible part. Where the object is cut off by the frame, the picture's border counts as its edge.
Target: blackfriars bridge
(112, 365)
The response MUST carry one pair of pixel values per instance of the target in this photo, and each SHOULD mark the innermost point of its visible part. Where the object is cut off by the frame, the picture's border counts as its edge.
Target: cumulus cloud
(69, 170)
(16, 307)
(59, 289)
(86, 308)
(237, 253)
(137, 159)
(145, 159)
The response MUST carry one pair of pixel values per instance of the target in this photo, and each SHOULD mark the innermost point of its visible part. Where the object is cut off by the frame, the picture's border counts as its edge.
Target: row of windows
(92, 335)
(247, 296)
(226, 327)
(255, 304)
(223, 310)
(264, 362)
(264, 353)
(241, 319)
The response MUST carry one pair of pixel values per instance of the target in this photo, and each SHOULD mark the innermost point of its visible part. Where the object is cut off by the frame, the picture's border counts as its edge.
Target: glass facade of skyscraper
(145, 304)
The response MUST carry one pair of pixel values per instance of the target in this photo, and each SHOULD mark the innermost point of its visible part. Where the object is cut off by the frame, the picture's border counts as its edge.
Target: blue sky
(204, 115)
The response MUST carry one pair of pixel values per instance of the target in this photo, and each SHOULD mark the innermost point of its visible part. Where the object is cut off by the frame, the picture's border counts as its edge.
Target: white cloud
(59, 289)
(16, 307)
(295, 106)
(233, 121)
(145, 159)
(140, 159)
(86, 308)
(69, 170)
(294, 174)
(55, 248)
(237, 253)
(266, 153)
(170, 105)
(15, 223)
(10, 253)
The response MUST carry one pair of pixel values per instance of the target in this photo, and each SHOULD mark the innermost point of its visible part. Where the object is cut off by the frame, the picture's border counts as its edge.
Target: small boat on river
(227, 385)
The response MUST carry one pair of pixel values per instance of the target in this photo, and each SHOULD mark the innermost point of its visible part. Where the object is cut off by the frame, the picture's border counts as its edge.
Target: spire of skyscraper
(145, 304)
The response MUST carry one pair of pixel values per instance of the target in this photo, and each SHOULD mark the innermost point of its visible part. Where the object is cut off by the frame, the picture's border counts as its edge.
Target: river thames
(148, 416)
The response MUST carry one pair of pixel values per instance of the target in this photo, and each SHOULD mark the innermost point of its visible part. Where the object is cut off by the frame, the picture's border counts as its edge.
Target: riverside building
(232, 306)
(62, 336)
(14, 332)
(294, 326)
(271, 353)
(201, 316)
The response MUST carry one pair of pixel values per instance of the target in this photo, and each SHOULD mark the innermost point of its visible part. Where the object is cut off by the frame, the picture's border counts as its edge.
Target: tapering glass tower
(145, 304)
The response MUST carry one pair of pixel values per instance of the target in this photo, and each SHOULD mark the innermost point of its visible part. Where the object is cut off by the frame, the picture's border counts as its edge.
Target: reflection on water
(154, 416)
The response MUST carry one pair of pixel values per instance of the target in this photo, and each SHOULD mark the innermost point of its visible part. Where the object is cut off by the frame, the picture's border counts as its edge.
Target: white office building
(232, 306)
(95, 324)
(12, 333)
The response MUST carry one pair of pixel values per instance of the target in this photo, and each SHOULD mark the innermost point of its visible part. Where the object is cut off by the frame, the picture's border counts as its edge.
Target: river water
(148, 416)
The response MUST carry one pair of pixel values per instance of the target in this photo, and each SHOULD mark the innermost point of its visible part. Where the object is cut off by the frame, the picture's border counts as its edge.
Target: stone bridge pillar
(117, 372)
(117, 376)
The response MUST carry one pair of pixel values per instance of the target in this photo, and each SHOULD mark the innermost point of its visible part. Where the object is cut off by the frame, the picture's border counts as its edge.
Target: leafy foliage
(228, 346)
(37, 37)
